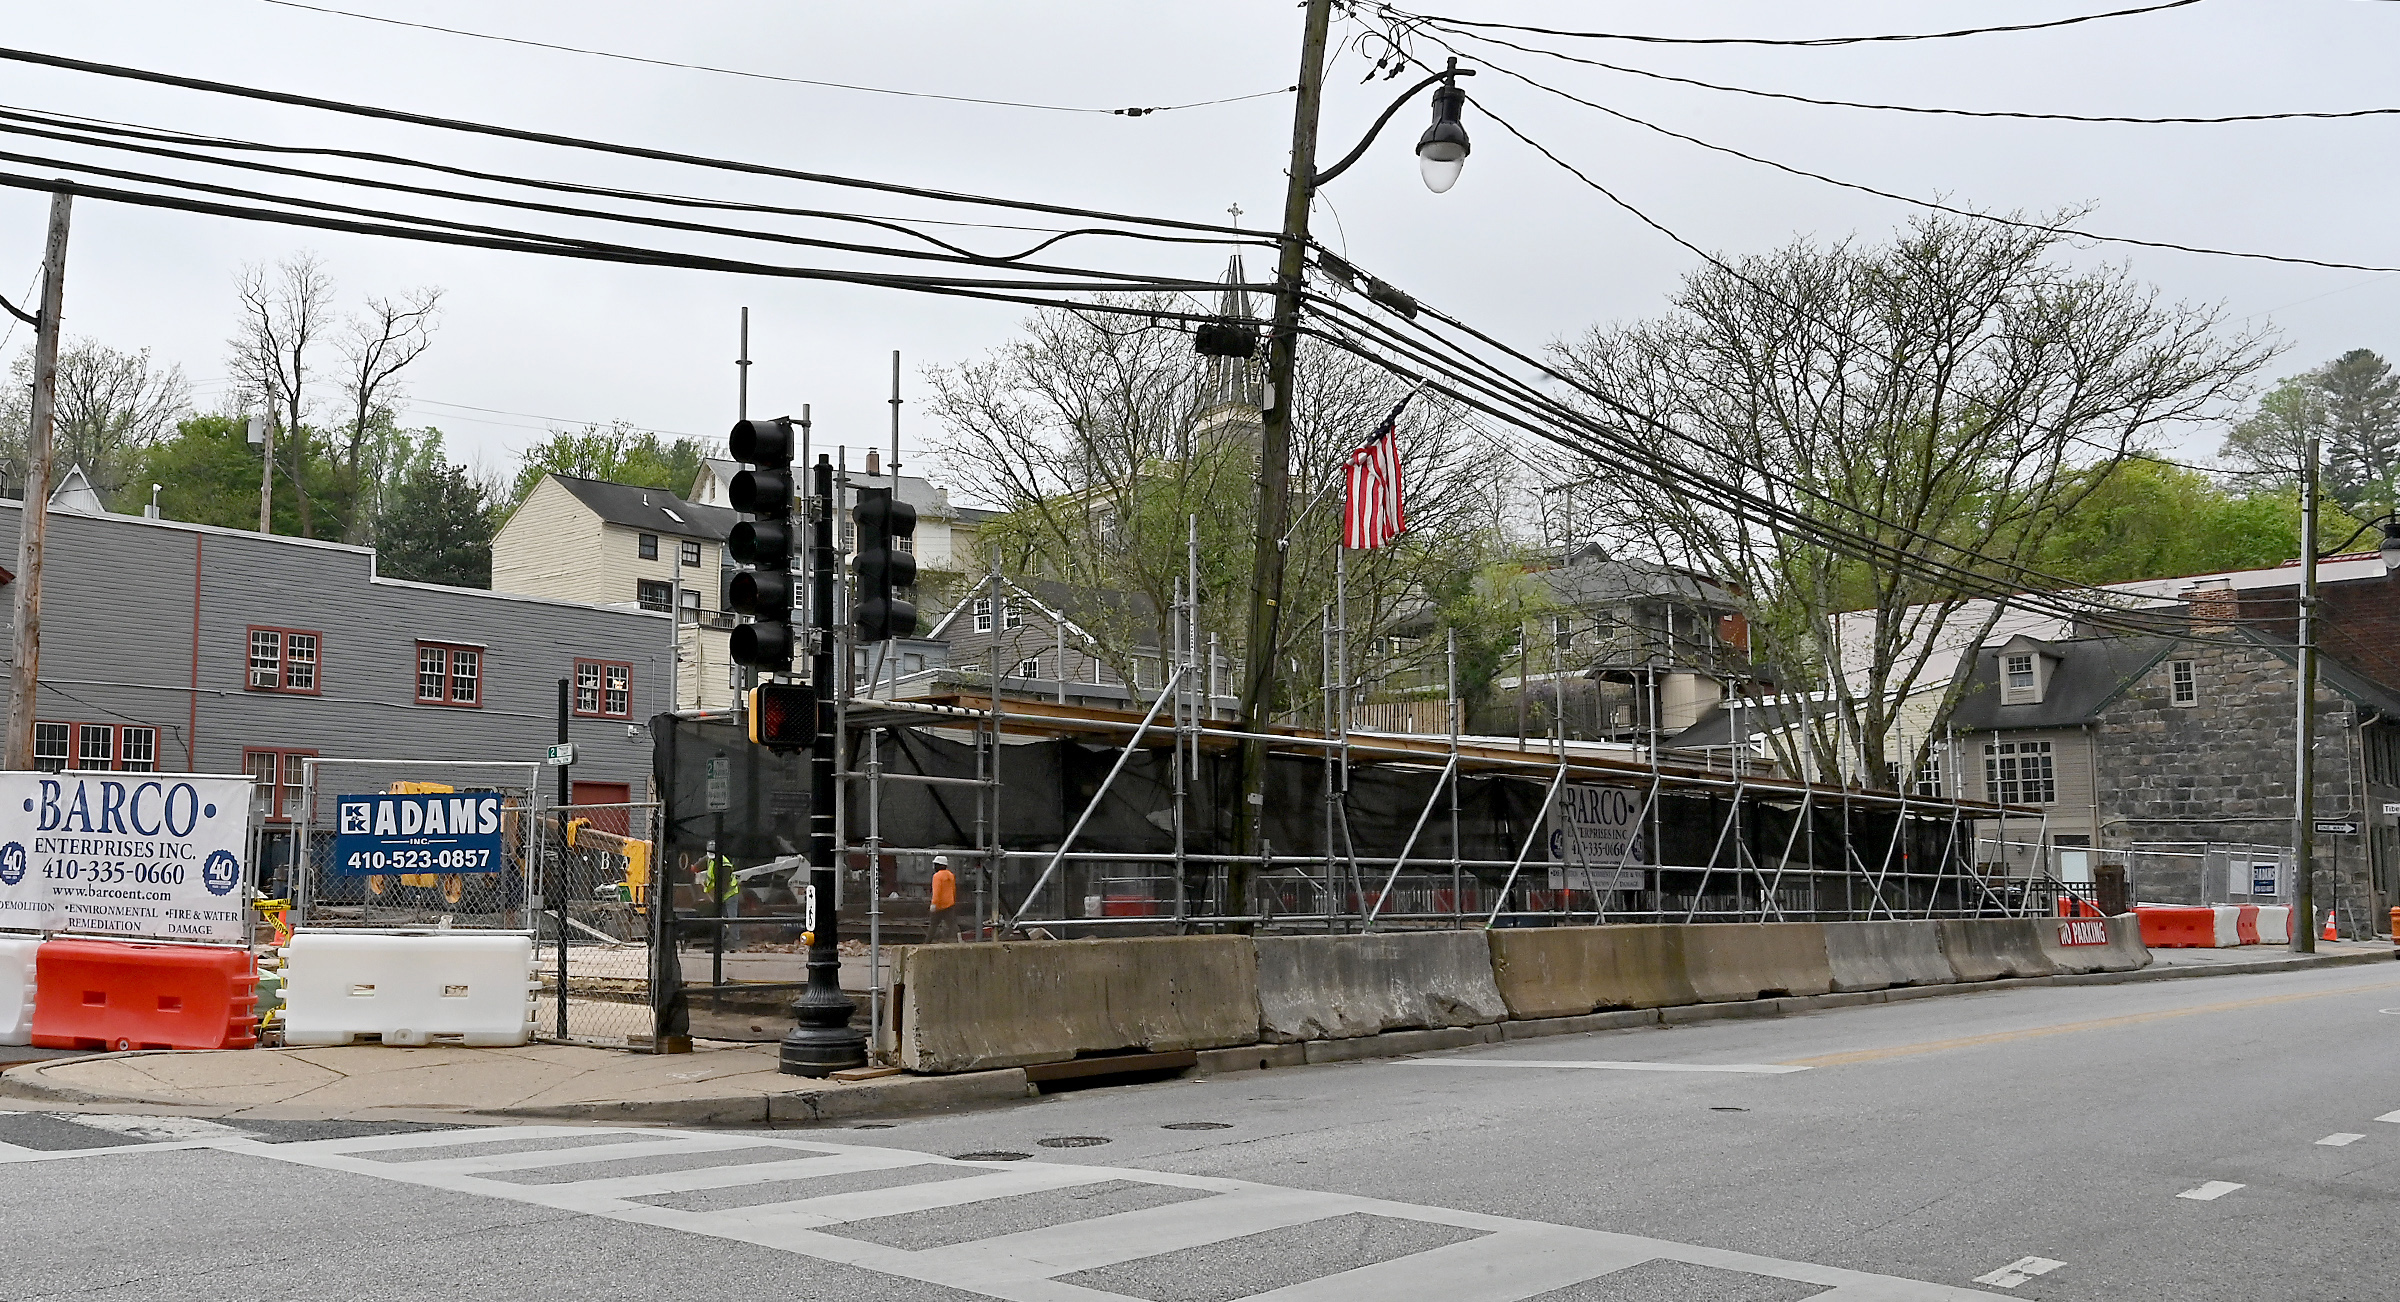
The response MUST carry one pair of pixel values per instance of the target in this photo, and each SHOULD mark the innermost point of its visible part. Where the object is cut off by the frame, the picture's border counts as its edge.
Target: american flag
(1372, 509)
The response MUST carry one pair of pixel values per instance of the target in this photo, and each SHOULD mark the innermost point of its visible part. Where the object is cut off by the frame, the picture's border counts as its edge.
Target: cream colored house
(945, 537)
(640, 548)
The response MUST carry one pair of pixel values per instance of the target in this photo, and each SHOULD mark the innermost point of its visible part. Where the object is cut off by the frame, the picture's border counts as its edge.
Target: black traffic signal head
(883, 567)
(783, 716)
(762, 442)
(764, 543)
(762, 491)
(762, 594)
(766, 644)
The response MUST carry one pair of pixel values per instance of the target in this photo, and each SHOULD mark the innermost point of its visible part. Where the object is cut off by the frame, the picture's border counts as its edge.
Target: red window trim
(282, 656)
(116, 741)
(483, 673)
(575, 684)
(283, 776)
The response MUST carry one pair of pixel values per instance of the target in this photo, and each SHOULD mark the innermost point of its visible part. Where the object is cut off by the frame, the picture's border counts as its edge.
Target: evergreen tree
(436, 527)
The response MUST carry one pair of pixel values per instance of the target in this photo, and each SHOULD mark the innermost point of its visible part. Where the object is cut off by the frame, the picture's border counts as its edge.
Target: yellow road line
(2064, 1028)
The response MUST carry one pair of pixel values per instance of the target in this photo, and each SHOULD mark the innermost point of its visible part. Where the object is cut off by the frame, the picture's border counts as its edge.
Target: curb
(885, 1096)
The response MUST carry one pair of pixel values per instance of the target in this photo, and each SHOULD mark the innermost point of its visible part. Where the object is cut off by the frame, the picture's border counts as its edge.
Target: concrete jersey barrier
(2093, 944)
(1880, 955)
(1569, 971)
(1732, 961)
(1340, 987)
(1988, 949)
(1014, 1004)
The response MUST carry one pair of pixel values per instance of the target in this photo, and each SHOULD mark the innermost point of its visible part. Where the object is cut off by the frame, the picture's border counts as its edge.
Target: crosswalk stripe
(1513, 1260)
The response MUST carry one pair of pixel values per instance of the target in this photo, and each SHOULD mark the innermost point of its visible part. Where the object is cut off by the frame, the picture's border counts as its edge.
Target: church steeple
(1233, 390)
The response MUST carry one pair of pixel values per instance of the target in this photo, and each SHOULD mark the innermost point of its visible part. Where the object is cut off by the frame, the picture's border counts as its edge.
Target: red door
(605, 793)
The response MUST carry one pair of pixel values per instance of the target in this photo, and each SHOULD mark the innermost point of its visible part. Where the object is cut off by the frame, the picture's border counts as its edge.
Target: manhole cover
(1072, 1141)
(1197, 1125)
(992, 1157)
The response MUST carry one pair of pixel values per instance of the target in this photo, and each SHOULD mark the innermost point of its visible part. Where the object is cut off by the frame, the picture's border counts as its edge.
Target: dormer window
(2020, 678)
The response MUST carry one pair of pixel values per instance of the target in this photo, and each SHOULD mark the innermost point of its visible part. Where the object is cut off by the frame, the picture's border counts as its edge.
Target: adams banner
(156, 856)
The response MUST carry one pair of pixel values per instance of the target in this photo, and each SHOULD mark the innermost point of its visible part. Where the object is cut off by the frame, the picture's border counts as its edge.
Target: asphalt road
(2202, 1139)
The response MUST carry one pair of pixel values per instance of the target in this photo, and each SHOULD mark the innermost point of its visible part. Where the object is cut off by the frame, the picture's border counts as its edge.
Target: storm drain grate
(1197, 1125)
(992, 1156)
(1073, 1141)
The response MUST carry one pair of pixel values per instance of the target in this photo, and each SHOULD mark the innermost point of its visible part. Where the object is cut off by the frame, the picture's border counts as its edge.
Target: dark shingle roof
(651, 510)
(2092, 672)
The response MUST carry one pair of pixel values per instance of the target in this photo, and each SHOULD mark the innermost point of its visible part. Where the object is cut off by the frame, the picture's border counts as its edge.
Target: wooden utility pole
(35, 518)
(1274, 453)
(266, 470)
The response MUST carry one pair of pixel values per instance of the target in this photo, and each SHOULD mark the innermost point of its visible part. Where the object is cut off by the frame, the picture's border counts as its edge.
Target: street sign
(2335, 827)
(2391, 807)
(559, 755)
(720, 785)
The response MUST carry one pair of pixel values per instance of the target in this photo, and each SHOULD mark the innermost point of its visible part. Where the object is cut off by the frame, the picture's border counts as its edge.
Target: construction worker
(716, 881)
(944, 924)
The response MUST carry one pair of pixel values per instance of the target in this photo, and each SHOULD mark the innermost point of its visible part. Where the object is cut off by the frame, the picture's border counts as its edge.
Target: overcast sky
(1519, 247)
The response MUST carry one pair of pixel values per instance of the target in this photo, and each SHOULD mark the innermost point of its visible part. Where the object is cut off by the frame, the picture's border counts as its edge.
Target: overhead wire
(2071, 232)
(122, 72)
(2013, 114)
(9, 125)
(1134, 112)
(1883, 38)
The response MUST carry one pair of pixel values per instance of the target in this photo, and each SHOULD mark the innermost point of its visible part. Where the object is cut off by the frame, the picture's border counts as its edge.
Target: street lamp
(1441, 153)
(1442, 150)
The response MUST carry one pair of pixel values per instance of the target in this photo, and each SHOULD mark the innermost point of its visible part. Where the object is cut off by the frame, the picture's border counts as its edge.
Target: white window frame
(1029, 667)
(2020, 773)
(982, 613)
(2183, 683)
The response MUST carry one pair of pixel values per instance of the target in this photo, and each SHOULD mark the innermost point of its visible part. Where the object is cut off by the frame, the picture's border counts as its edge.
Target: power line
(7, 127)
(595, 146)
(1929, 204)
(2019, 115)
(1405, 16)
(769, 76)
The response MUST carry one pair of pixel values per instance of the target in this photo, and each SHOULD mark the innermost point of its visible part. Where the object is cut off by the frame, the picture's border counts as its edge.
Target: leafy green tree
(437, 525)
(620, 454)
(2351, 405)
(112, 407)
(208, 472)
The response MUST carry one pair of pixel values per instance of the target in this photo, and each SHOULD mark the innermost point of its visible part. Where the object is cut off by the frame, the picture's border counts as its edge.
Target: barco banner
(1596, 839)
(125, 854)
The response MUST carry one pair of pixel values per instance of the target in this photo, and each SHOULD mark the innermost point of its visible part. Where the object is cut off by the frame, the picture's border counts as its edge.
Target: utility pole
(2304, 786)
(34, 520)
(266, 470)
(1274, 455)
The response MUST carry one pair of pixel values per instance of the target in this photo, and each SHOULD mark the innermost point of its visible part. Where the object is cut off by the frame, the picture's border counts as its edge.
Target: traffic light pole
(821, 1040)
(1274, 457)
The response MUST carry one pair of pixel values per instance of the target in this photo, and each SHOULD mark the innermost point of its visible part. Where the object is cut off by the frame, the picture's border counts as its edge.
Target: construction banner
(1596, 839)
(125, 854)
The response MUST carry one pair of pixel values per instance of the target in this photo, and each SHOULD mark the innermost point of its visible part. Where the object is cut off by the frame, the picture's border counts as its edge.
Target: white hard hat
(941, 861)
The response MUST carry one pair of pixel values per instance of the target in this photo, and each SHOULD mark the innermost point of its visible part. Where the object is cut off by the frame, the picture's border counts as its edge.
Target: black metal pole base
(821, 1050)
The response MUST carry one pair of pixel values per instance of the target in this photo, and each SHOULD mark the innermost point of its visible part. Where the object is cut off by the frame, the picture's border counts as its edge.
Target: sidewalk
(738, 1085)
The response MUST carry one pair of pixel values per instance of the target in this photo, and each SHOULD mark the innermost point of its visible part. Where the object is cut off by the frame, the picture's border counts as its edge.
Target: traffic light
(883, 568)
(783, 716)
(764, 590)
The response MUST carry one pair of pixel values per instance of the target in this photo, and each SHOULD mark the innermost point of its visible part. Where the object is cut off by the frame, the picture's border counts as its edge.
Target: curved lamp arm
(2390, 523)
(1405, 96)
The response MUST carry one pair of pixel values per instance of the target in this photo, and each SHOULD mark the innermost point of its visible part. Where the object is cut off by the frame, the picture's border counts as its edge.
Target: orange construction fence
(109, 994)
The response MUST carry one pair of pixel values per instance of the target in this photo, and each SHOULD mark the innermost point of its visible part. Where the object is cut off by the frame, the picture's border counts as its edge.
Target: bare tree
(1102, 443)
(112, 406)
(1950, 395)
(285, 312)
(377, 345)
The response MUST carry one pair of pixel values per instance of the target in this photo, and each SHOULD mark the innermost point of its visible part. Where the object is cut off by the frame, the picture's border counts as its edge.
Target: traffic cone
(2330, 933)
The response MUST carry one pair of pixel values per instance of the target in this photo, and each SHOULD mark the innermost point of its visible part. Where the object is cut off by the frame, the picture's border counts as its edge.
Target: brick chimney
(2212, 605)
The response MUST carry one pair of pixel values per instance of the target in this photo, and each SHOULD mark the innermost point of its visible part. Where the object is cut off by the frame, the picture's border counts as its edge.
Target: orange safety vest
(945, 890)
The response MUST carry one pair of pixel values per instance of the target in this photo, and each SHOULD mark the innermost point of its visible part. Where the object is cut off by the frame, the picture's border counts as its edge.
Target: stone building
(2127, 741)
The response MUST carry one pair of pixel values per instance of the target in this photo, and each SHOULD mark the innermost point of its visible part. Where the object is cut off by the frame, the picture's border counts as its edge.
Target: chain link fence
(598, 885)
(332, 894)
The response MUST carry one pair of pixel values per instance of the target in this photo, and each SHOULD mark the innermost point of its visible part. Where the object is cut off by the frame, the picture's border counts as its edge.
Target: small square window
(603, 689)
(2020, 673)
(647, 546)
(983, 614)
(2184, 686)
(449, 675)
(654, 594)
(1562, 631)
(300, 662)
(285, 660)
(1029, 667)
(50, 746)
(691, 605)
(95, 746)
(1016, 615)
(137, 749)
(691, 555)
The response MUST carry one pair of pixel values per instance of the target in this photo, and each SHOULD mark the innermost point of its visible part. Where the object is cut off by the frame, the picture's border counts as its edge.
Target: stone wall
(2221, 769)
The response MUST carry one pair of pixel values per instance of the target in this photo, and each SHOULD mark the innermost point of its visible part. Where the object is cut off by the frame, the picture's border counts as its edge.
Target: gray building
(180, 647)
(2129, 741)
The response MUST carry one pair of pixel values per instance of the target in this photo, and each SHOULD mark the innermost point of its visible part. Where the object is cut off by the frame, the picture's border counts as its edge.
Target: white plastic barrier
(2275, 924)
(2229, 926)
(445, 988)
(16, 988)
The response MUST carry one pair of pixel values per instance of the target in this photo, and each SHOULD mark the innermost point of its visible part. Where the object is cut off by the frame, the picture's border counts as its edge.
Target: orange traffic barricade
(109, 994)
(2245, 927)
(2177, 926)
